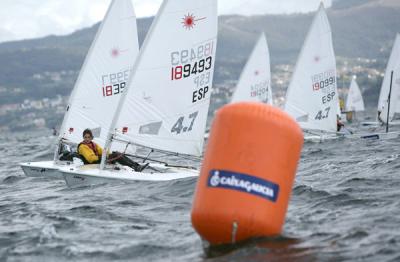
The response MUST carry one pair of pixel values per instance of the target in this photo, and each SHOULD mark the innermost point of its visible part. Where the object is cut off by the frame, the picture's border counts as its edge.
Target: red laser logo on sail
(189, 21)
(115, 52)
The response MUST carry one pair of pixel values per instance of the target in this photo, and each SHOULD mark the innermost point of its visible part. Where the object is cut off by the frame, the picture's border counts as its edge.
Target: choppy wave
(345, 206)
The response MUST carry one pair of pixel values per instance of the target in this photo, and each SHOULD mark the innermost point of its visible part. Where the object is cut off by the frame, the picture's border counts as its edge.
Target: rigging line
(182, 156)
(162, 162)
(147, 158)
(150, 159)
(148, 155)
(169, 153)
(126, 147)
(190, 167)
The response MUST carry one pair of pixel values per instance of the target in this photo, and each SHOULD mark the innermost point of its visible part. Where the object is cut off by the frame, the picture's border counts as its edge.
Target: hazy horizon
(26, 19)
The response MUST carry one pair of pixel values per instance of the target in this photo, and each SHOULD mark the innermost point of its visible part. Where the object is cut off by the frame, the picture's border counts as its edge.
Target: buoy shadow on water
(279, 248)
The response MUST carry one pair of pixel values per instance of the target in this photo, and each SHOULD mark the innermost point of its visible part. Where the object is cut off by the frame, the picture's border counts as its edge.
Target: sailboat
(312, 97)
(165, 104)
(354, 102)
(393, 65)
(255, 81)
(98, 89)
(254, 84)
(390, 107)
(387, 113)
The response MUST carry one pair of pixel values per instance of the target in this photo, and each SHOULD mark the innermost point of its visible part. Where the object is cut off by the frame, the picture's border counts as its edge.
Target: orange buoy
(247, 174)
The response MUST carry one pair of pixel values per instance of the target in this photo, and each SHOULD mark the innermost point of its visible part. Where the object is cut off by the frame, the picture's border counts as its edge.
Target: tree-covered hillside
(49, 66)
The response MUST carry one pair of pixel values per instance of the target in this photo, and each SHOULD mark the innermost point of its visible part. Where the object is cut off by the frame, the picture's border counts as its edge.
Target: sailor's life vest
(91, 152)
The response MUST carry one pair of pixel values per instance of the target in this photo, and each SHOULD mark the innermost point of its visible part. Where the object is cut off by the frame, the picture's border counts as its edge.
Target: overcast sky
(21, 19)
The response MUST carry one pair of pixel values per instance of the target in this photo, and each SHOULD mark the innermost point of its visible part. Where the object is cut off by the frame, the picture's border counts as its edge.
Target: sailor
(341, 127)
(379, 117)
(339, 124)
(92, 152)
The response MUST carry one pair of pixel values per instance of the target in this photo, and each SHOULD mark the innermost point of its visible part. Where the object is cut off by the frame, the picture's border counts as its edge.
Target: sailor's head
(87, 135)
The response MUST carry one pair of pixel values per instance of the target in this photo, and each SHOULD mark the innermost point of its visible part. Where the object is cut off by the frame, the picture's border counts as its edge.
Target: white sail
(255, 81)
(355, 100)
(392, 64)
(394, 106)
(103, 76)
(312, 97)
(166, 103)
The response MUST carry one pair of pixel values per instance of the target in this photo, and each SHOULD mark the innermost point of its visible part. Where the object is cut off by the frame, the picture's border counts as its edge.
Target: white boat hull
(321, 138)
(382, 136)
(367, 136)
(373, 123)
(91, 174)
(376, 124)
(49, 169)
(41, 169)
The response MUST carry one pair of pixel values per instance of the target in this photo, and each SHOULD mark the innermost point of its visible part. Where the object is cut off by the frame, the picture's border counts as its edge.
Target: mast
(388, 111)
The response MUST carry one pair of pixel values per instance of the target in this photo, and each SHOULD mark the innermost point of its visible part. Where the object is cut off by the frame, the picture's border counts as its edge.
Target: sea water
(345, 206)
